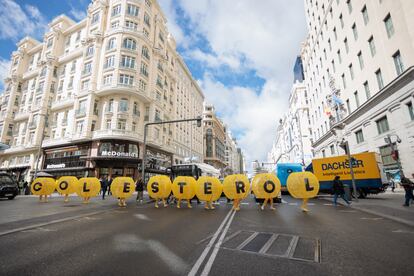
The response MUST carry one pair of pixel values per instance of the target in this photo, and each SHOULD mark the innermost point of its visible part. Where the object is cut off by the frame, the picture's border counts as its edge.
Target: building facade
(231, 154)
(214, 139)
(358, 60)
(76, 103)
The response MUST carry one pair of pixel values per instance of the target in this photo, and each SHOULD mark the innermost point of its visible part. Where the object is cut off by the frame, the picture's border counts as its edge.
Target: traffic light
(344, 146)
(199, 120)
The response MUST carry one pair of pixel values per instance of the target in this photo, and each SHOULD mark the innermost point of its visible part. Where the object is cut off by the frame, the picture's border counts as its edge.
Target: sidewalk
(387, 205)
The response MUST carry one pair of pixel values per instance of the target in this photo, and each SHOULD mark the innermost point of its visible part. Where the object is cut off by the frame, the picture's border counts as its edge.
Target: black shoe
(406, 205)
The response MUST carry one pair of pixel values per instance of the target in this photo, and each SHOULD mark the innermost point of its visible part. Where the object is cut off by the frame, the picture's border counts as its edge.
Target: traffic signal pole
(144, 154)
(345, 146)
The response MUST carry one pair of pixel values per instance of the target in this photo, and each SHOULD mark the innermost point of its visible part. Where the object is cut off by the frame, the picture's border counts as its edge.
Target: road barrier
(301, 185)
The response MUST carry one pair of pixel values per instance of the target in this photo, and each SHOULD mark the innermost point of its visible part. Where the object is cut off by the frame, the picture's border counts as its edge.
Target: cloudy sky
(241, 52)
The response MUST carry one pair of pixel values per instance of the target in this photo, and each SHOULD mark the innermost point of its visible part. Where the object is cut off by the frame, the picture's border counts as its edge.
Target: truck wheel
(362, 193)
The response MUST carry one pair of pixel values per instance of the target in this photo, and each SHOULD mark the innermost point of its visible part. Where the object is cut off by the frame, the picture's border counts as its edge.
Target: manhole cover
(275, 245)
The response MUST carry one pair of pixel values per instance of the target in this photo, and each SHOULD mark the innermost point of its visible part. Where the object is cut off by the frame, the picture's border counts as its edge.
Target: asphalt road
(102, 239)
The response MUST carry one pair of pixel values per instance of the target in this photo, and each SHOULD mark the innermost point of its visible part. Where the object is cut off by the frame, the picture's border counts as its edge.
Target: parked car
(8, 186)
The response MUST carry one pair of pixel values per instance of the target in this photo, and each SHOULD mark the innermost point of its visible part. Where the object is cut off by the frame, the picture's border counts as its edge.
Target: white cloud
(78, 14)
(253, 115)
(4, 69)
(17, 21)
(246, 35)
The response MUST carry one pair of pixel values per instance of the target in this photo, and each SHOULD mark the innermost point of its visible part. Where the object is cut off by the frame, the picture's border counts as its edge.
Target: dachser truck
(368, 173)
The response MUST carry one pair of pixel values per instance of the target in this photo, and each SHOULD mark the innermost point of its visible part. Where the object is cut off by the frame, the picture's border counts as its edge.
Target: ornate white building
(79, 99)
(357, 61)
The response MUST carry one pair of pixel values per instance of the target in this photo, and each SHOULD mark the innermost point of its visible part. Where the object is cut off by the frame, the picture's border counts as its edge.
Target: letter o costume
(266, 185)
(67, 185)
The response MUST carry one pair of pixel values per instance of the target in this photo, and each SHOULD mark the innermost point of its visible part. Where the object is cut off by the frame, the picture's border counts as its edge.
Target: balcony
(55, 141)
(80, 113)
(117, 134)
(114, 89)
(62, 103)
(21, 115)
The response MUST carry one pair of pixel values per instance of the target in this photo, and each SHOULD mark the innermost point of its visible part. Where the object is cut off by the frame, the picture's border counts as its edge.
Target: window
(323, 154)
(346, 45)
(349, 4)
(332, 147)
(359, 136)
(134, 126)
(341, 19)
(356, 98)
(79, 127)
(132, 10)
(372, 46)
(126, 79)
(351, 71)
(335, 34)
(343, 80)
(129, 44)
(116, 10)
(144, 69)
(123, 105)
(380, 81)
(108, 124)
(128, 62)
(107, 80)
(147, 20)
(145, 52)
(389, 26)
(95, 18)
(87, 69)
(410, 110)
(355, 31)
(339, 56)
(111, 44)
(73, 68)
(348, 106)
(142, 86)
(399, 66)
(89, 51)
(360, 60)
(78, 36)
(70, 84)
(136, 109)
(49, 43)
(365, 15)
(131, 25)
(382, 125)
(367, 91)
(85, 85)
(109, 62)
(114, 24)
(110, 105)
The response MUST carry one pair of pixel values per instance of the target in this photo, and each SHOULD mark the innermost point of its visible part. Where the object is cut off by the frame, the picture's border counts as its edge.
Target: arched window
(145, 52)
(129, 44)
(111, 44)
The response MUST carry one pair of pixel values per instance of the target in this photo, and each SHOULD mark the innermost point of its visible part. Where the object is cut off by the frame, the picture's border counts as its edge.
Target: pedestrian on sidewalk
(139, 188)
(109, 183)
(408, 188)
(104, 186)
(338, 190)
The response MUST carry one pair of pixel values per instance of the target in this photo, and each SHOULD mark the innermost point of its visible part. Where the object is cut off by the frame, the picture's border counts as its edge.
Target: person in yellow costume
(88, 187)
(183, 188)
(208, 189)
(236, 187)
(159, 188)
(43, 186)
(266, 186)
(303, 185)
(122, 188)
(66, 185)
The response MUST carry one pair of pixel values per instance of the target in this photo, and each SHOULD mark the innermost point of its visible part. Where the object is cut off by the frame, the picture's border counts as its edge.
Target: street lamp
(394, 151)
(144, 154)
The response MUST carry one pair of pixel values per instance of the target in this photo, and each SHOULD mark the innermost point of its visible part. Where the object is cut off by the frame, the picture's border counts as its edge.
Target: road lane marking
(20, 229)
(245, 203)
(172, 260)
(294, 203)
(203, 255)
(284, 201)
(328, 204)
(142, 217)
(372, 218)
(403, 231)
(39, 229)
(347, 211)
(213, 255)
